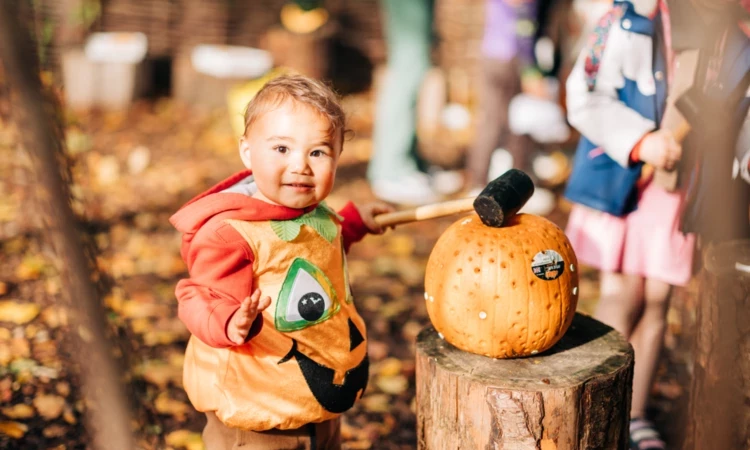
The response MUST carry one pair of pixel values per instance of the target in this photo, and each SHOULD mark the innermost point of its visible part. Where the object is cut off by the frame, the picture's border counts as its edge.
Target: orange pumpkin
(502, 292)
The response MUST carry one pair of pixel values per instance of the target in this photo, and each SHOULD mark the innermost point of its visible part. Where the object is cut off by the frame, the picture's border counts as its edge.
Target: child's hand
(243, 318)
(368, 212)
(660, 149)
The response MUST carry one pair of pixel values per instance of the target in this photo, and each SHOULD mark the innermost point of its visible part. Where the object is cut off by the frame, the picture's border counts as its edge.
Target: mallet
(495, 205)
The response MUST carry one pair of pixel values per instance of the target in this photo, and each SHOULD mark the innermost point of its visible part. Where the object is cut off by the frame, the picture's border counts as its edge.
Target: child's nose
(300, 164)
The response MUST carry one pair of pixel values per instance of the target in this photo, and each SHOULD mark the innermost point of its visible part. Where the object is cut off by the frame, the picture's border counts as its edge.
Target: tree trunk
(573, 396)
(719, 414)
(41, 134)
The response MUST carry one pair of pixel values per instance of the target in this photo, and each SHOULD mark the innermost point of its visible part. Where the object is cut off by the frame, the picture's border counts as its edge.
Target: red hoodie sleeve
(220, 264)
(353, 229)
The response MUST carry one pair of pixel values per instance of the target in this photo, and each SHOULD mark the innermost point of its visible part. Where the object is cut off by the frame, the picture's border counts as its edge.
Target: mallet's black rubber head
(503, 197)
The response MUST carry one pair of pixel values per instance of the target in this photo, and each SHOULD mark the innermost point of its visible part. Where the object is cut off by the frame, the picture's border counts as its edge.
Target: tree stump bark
(719, 412)
(574, 396)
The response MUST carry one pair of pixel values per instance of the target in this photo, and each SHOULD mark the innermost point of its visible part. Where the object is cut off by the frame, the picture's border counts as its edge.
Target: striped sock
(643, 436)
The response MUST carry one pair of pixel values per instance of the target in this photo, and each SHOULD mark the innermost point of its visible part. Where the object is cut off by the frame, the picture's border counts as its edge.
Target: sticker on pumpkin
(547, 265)
(306, 298)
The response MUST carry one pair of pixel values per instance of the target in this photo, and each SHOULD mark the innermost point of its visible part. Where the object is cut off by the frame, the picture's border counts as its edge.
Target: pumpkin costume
(305, 358)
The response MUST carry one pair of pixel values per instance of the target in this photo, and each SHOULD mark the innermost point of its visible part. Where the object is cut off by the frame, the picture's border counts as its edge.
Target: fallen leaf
(107, 170)
(394, 308)
(63, 388)
(160, 374)
(357, 445)
(394, 385)
(45, 351)
(377, 403)
(185, 439)
(171, 407)
(133, 309)
(19, 411)
(49, 406)
(389, 367)
(160, 337)
(401, 245)
(138, 160)
(54, 316)
(141, 325)
(20, 313)
(372, 303)
(54, 431)
(77, 141)
(377, 350)
(20, 348)
(53, 285)
(31, 331)
(6, 356)
(410, 330)
(69, 416)
(15, 430)
(31, 267)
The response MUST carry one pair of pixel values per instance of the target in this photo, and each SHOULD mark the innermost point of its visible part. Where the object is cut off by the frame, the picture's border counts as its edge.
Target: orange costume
(305, 359)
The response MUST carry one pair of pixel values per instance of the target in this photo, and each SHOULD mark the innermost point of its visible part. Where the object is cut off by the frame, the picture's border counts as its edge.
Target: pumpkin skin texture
(483, 296)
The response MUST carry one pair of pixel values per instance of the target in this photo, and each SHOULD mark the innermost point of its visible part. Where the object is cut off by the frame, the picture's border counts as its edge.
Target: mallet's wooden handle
(426, 212)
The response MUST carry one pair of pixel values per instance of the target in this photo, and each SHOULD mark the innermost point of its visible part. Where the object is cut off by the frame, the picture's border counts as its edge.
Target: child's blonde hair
(305, 90)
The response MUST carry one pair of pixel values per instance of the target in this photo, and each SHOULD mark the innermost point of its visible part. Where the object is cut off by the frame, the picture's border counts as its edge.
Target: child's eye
(318, 153)
(281, 148)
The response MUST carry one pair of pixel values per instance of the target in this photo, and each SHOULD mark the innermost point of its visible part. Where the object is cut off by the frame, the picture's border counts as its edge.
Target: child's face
(292, 157)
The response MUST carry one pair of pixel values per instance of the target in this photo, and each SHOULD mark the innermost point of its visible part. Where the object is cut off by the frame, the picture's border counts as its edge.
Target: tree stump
(719, 412)
(574, 396)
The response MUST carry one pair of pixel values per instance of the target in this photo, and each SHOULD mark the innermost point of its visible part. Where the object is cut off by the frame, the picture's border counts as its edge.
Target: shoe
(643, 436)
(553, 169)
(501, 161)
(541, 203)
(413, 190)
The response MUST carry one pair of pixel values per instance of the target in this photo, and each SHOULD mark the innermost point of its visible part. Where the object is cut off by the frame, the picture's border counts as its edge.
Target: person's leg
(328, 435)
(216, 435)
(647, 340)
(497, 88)
(621, 301)
(408, 29)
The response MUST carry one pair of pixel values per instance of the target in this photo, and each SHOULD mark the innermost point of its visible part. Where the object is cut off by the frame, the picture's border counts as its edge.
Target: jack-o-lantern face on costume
(306, 302)
(308, 363)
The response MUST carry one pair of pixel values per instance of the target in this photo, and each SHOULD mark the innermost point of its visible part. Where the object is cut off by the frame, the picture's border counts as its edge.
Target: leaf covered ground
(131, 171)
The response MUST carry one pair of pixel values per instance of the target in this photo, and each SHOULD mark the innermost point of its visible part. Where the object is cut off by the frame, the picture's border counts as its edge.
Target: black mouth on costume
(335, 398)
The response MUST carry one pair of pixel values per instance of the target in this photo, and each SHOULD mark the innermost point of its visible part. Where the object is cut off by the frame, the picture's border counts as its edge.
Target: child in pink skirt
(623, 223)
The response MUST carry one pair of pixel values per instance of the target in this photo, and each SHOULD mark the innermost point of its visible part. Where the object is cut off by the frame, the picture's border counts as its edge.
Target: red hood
(195, 213)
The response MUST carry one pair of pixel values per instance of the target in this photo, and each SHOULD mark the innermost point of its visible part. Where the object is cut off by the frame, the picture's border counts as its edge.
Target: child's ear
(245, 152)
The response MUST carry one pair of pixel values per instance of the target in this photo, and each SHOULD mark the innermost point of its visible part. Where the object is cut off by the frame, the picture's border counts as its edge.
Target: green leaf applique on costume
(306, 298)
(286, 230)
(318, 219)
(330, 211)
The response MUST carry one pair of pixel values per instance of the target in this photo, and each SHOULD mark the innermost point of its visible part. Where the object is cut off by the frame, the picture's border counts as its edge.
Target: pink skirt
(646, 242)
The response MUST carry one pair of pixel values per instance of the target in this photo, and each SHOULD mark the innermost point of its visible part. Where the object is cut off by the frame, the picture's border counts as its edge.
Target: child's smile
(292, 155)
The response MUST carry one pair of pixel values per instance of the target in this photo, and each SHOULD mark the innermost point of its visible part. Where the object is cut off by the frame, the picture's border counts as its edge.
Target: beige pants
(317, 436)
